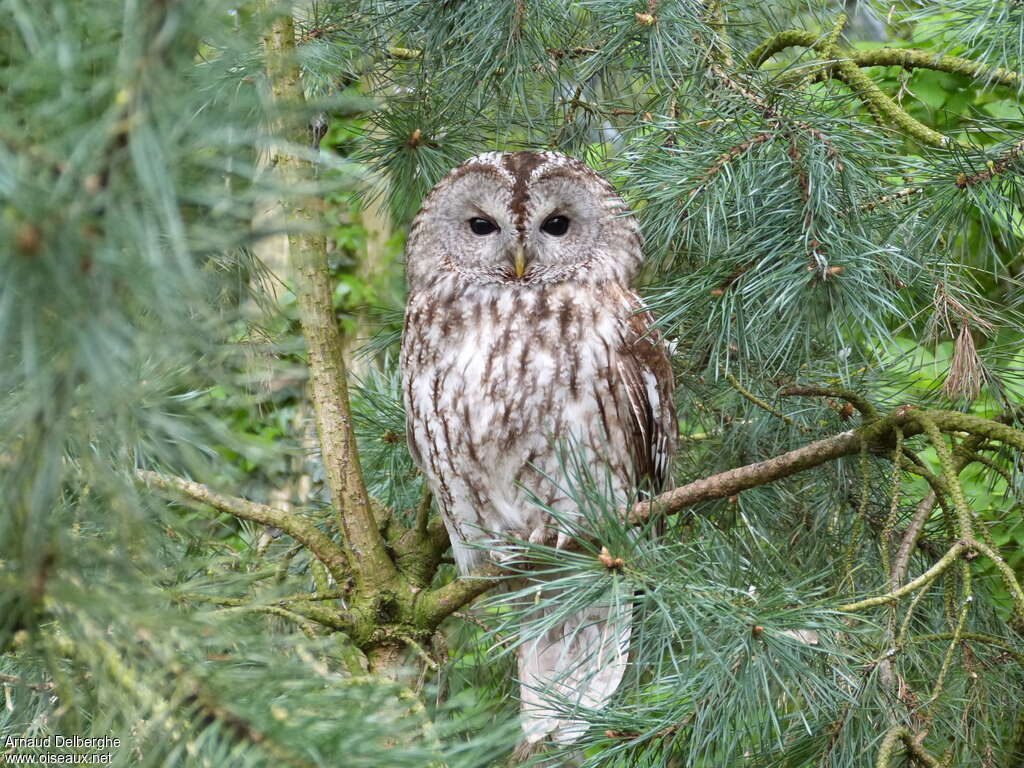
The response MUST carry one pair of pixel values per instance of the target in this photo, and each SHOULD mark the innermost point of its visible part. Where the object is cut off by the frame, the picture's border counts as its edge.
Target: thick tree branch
(368, 558)
(901, 562)
(434, 606)
(732, 481)
(307, 534)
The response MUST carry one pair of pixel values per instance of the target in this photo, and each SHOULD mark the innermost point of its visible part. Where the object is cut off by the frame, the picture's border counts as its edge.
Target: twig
(886, 199)
(867, 410)
(724, 159)
(315, 540)
(16, 681)
(763, 404)
(908, 617)
(923, 580)
(997, 166)
(775, 115)
(304, 623)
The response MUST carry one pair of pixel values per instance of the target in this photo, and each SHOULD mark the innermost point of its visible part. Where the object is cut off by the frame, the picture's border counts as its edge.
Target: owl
(522, 336)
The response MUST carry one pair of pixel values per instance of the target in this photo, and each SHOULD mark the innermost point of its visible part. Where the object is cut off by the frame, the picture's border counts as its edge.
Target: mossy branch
(976, 637)
(921, 581)
(1006, 573)
(437, 604)
(951, 475)
(888, 748)
(847, 68)
(912, 58)
(883, 108)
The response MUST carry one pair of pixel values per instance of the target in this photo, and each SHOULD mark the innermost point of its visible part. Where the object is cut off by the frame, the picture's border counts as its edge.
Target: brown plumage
(522, 334)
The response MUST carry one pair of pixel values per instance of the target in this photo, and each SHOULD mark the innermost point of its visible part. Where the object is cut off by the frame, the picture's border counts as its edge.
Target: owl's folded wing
(646, 375)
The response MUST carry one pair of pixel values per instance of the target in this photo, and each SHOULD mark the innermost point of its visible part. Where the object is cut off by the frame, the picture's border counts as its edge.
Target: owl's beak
(519, 260)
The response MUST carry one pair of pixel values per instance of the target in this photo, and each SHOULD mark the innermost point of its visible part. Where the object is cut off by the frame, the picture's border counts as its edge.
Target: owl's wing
(646, 375)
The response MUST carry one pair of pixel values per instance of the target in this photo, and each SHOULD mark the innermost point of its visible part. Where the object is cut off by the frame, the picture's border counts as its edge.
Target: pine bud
(28, 239)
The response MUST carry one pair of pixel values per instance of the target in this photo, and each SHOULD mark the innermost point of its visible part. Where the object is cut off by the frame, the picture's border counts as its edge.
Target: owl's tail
(576, 664)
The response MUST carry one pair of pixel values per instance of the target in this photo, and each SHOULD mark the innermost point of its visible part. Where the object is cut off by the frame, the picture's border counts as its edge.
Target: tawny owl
(521, 334)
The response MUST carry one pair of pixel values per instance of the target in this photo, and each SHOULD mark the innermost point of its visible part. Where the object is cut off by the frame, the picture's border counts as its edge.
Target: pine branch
(307, 534)
(996, 167)
(157, 707)
(17, 682)
(762, 404)
(977, 637)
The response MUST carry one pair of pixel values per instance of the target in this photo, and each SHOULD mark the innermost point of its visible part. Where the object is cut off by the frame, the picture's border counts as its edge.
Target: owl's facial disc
(522, 219)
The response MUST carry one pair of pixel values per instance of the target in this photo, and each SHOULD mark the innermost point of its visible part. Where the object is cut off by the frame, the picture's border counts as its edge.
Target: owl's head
(523, 219)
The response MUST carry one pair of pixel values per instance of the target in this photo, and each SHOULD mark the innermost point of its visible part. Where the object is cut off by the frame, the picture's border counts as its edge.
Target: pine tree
(831, 198)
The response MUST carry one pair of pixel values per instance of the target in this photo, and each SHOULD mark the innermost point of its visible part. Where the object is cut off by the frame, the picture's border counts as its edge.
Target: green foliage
(792, 239)
(130, 141)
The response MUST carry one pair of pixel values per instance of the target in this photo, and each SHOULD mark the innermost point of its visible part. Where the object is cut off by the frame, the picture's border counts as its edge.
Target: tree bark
(371, 566)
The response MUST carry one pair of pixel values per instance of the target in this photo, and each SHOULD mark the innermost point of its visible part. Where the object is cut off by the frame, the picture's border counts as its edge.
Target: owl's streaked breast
(494, 377)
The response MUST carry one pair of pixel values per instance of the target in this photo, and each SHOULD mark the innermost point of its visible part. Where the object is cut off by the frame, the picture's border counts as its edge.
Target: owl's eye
(480, 226)
(556, 225)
